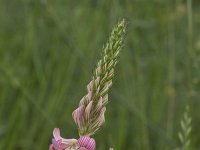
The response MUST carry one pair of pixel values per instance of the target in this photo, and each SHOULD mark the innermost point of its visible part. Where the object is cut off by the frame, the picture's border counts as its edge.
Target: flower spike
(89, 116)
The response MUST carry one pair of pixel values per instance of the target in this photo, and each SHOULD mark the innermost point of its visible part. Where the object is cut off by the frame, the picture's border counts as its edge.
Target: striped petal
(56, 134)
(87, 143)
(78, 116)
(59, 143)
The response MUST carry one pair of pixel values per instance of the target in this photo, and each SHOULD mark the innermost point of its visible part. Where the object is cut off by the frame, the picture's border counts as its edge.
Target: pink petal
(51, 147)
(56, 134)
(63, 146)
(87, 142)
(56, 144)
(78, 116)
(59, 143)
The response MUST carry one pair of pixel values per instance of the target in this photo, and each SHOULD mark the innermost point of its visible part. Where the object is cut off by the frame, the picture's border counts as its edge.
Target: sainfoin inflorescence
(89, 116)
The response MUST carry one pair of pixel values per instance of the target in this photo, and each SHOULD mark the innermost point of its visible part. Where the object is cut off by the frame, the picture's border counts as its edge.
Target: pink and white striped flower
(83, 143)
(86, 143)
(59, 143)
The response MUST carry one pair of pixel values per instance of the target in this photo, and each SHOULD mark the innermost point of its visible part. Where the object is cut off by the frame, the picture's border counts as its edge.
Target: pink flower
(59, 143)
(86, 143)
(83, 143)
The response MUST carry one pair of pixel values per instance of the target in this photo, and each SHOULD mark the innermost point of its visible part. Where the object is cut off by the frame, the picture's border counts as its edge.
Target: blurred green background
(49, 48)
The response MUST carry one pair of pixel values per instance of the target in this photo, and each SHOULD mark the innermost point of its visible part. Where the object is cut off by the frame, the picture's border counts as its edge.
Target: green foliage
(186, 128)
(48, 49)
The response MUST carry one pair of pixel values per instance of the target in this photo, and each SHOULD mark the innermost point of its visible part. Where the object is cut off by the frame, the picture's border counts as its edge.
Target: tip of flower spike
(123, 23)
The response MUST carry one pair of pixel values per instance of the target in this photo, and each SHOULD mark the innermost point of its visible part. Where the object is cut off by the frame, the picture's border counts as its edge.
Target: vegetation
(48, 49)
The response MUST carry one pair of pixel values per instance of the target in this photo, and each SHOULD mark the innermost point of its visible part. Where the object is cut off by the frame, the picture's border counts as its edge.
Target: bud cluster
(89, 116)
